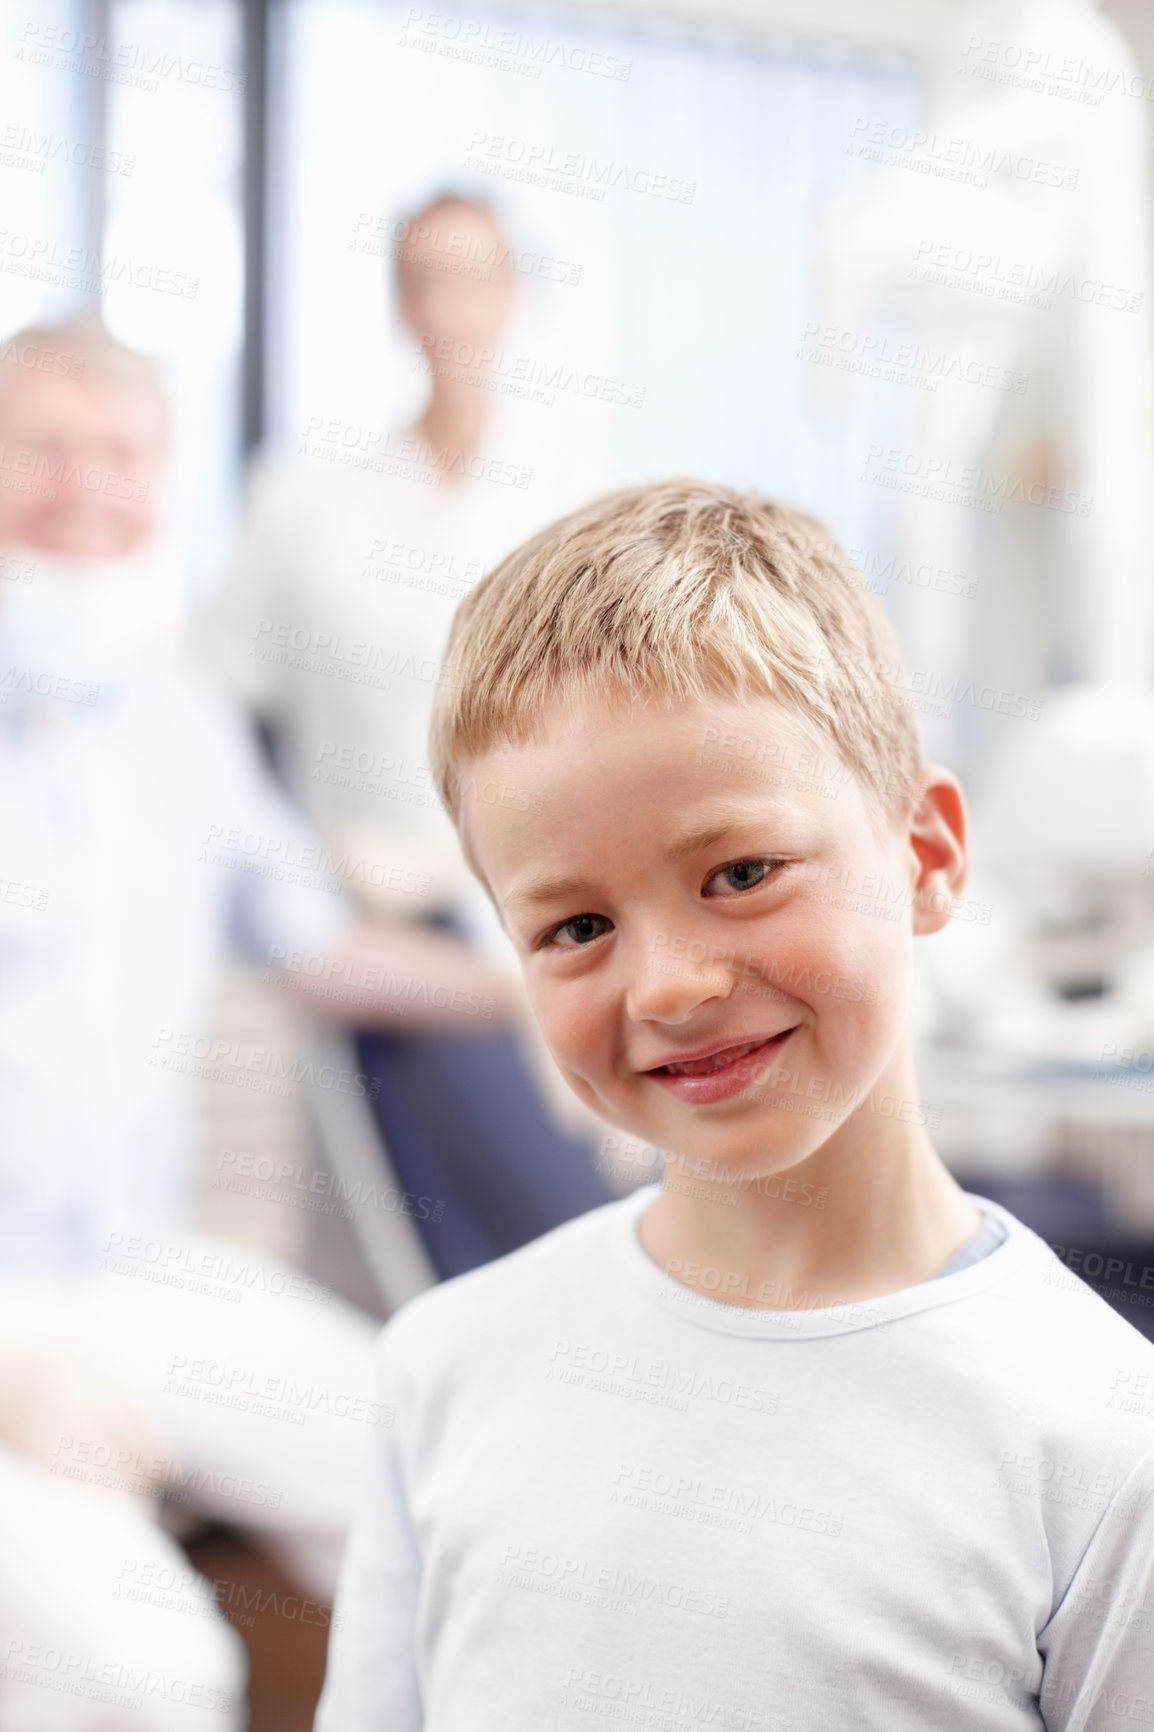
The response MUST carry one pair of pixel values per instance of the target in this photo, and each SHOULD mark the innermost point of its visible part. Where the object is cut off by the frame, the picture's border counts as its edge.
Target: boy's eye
(582, 929)
(742, 875)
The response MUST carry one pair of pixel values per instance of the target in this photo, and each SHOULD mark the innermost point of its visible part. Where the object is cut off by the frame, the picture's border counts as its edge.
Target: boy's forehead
(691, 733)
(662, 773)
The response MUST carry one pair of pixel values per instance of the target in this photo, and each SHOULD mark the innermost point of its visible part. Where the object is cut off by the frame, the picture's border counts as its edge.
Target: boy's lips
(719, 1072)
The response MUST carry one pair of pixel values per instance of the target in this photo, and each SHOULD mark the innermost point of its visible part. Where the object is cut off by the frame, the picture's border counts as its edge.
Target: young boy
(804, 1437)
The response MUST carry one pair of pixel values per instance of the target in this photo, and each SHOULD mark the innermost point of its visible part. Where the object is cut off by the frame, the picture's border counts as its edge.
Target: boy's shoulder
(1047, 1298)
(1045, 1346)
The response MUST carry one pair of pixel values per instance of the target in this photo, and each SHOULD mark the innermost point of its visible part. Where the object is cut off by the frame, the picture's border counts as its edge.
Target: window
(658, 188)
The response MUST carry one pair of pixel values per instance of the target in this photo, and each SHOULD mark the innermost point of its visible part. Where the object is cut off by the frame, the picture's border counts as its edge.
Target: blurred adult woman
(351, 565)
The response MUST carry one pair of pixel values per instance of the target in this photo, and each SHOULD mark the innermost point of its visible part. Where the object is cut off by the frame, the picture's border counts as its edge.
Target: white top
(606, 1497)
(334, 627)
(140, 833)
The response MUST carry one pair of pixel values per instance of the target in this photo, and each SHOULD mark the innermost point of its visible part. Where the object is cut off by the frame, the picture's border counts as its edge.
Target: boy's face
(714, 923)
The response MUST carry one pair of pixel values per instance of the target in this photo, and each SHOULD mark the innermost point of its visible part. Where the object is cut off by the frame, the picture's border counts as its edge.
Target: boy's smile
(719, 1073)
(718, 948)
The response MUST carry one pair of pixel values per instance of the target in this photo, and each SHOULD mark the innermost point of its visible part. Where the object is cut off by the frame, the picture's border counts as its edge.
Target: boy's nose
(666, 988)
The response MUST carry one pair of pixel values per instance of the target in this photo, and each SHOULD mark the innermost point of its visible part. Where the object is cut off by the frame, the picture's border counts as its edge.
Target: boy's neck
(872, 1211)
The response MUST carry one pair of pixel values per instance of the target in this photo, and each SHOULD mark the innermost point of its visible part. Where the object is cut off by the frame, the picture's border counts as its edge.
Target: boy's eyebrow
(547, 890)
(692, 841)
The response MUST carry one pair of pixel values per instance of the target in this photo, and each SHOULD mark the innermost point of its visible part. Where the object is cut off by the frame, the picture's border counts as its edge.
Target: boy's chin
(745, 1162)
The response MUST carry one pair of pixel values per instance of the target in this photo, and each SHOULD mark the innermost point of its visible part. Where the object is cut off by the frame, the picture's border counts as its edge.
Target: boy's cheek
(583, 1041)
(572, 1031)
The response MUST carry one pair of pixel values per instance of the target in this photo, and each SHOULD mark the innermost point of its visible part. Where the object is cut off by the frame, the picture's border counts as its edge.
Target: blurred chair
(431, 1183)
(351, 1148)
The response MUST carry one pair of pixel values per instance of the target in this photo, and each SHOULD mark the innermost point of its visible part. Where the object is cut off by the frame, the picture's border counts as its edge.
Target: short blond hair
(679, 590)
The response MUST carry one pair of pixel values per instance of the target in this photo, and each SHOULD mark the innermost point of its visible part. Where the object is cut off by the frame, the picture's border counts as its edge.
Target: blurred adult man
(238, 1386)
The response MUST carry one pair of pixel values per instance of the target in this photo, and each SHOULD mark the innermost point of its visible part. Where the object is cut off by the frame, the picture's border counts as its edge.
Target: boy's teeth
(702, 1066)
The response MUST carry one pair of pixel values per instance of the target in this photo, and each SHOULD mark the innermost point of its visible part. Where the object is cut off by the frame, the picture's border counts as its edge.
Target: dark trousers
(466, 1129)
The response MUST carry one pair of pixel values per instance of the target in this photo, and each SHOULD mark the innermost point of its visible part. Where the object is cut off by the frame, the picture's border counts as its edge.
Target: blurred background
(415, 279)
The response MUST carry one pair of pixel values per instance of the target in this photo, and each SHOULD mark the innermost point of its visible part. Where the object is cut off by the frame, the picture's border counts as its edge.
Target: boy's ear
(937, 841)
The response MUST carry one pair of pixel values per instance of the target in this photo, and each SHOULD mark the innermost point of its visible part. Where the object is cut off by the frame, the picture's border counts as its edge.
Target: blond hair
(679, 590)
(79, 349)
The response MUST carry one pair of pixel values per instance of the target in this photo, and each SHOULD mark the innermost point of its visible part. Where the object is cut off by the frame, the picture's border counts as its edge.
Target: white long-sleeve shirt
(605, 1496)
(139, 832)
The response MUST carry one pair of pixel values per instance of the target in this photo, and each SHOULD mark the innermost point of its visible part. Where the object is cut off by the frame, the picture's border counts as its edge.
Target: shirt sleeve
(371, 1682)
(1098, 1646)
(282, 891)
(287, 897)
